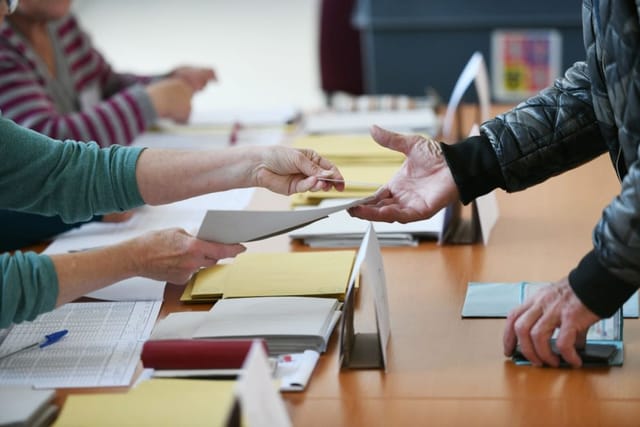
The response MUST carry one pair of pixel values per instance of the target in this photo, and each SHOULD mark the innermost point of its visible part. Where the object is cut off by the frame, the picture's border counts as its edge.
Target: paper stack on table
(287, 324)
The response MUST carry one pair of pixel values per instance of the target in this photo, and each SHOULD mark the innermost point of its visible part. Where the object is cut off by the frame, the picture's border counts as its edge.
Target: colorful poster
(524, 62)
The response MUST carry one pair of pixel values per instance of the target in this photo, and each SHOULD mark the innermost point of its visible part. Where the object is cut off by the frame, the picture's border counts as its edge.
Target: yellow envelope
(323, 273)
(156, 402)
(209, 282)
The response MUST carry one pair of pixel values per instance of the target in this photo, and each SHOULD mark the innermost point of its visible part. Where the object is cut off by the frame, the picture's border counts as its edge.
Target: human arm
(62, 178)
(102, 105)
(169, 255)
(167, 175)
(601, 282)
(31, 284)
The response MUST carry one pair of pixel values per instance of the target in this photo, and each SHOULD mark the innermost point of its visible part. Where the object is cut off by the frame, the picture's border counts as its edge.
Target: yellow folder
(323, 273)
(156, 402)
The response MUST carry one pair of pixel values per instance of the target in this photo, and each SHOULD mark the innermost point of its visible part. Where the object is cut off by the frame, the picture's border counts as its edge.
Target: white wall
(264, 51)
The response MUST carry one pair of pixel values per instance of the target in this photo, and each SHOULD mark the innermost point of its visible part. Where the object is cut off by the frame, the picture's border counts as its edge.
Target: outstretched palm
(421, 187)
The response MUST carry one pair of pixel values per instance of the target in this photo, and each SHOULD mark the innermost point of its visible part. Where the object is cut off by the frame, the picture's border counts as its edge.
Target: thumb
(306, 166)
(393, 141)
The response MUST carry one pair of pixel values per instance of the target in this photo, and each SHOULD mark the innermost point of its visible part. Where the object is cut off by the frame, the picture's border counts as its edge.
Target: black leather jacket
(594, 108)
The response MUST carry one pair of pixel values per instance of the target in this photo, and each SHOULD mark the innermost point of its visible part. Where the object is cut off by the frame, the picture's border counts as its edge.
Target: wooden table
(447, 371)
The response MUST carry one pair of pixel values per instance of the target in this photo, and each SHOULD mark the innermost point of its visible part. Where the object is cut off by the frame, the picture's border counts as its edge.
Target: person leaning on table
(54, 81)
(77, 180)
(594, 108)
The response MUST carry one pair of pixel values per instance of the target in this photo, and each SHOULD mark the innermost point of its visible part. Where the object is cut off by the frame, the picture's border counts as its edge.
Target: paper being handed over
(239, 226)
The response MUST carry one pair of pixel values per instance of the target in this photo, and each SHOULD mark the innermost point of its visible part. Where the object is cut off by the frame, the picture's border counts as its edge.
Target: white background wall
(264, 51)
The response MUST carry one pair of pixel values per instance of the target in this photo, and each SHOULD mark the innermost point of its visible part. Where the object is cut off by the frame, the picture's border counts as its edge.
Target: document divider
(456, 229)
(366, 350)
(484, 209)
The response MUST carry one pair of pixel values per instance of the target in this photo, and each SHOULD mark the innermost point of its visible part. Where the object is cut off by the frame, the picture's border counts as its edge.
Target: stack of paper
(349, 149)
(274, 274)
(364, 164)
(340, 230)
(421, 119)
(287, 324)
(102, 347)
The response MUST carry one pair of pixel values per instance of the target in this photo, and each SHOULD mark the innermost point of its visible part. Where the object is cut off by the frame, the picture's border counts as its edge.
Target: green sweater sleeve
(28, 287)
(46, 176)
(71, 179)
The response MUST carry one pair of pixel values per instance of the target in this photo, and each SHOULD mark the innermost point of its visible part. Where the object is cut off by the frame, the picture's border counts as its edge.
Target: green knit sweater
(45, 176)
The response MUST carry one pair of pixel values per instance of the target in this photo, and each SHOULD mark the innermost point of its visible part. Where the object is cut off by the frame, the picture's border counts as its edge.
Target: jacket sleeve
(542, 137)
(548, 134)
(610, 274)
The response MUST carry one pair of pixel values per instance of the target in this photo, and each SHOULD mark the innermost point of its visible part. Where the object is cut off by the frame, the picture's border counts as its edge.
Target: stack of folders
(23, 406)
(364, 164)
(287, 324)
(274, 274)
(340, 230)
(405, 120)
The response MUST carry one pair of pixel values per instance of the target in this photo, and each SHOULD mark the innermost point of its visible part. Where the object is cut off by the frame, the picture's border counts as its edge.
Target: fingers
(522, 327)
(316, 167)
(509, 338)
(217, 251)
(532, 325)
(311, 163)
(531, 328)
(566, 344)
(394, 141)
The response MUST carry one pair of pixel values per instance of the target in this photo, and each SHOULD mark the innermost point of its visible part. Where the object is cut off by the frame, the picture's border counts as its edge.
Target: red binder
(196, 353)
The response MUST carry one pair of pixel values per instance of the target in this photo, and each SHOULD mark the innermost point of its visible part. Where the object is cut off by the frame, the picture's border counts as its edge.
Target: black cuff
(598, 289)
(474, 167)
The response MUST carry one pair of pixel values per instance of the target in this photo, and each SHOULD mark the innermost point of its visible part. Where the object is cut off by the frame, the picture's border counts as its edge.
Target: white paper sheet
(423, 119)
(474, 71)
(294, 370)
(341, 224)
(234, 226)
(187, 214)
(102, 348)
(260, 402)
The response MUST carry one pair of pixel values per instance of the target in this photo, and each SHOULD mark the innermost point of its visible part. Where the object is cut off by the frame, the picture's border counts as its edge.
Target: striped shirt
(86, 101)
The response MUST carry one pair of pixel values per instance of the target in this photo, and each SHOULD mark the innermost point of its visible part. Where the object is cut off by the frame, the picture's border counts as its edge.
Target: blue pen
(48, 340)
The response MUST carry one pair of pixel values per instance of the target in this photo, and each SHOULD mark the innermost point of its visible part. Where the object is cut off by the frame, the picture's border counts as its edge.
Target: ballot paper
(239, 226)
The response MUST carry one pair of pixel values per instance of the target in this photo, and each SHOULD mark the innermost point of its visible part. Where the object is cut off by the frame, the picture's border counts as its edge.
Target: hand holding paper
(288, 171)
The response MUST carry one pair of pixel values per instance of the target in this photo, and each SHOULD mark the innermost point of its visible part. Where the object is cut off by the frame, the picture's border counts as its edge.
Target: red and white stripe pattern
(123, 111)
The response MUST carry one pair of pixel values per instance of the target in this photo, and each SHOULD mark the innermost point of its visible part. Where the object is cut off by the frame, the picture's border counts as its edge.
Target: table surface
(446, 370)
